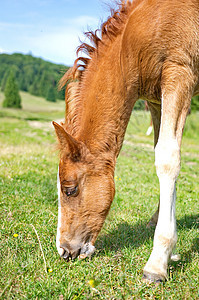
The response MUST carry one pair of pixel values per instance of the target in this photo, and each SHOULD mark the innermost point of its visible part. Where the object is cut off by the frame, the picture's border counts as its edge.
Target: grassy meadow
(30, 265)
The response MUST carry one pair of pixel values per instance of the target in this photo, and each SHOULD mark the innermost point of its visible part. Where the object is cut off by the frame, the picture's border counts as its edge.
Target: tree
(44, 83)
(4, 80)
(34, 88)
(51, 94)
(12, 97)
(195, 103)
(139, 105)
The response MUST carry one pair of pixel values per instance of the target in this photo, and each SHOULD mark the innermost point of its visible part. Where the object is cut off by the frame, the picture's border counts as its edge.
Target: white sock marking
(60, 250)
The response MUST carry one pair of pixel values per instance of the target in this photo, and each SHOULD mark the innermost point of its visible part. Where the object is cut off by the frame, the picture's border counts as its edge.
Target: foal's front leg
(168, 166)
(175, 105)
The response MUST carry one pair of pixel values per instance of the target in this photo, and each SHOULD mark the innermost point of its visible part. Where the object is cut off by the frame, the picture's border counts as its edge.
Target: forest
(32, 74)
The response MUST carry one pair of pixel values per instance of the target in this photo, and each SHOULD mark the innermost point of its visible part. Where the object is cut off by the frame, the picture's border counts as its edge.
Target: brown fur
(147, 49)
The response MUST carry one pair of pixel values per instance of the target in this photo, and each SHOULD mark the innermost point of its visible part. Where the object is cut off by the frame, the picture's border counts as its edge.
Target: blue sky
(48, 28)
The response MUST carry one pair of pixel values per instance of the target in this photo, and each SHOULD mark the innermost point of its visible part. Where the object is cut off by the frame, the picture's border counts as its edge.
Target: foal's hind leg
(175, 105)
(155, 110)
(154, 219)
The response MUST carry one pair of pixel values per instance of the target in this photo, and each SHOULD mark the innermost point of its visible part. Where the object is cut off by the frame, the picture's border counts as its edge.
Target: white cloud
(83, 21)
(57, 46)
(2, 50)
(5, 26)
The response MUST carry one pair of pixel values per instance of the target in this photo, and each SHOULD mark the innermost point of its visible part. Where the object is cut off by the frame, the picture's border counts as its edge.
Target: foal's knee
(167, 159)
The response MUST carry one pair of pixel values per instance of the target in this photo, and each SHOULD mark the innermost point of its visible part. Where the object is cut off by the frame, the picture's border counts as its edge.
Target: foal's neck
(106, 104)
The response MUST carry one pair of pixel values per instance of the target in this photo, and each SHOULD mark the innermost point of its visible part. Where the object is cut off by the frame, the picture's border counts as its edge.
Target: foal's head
(86, 190)
(86, 169)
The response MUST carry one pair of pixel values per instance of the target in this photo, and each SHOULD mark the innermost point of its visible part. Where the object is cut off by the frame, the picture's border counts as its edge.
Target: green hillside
(34, 108)
(33, 75)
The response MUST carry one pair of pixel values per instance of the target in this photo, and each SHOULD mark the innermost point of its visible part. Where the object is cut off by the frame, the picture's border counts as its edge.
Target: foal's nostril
(65, 255)
(76, 253)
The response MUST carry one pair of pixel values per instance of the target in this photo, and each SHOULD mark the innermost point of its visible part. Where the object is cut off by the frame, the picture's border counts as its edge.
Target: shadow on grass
(126, 235)
(188, 222)
(123, 236)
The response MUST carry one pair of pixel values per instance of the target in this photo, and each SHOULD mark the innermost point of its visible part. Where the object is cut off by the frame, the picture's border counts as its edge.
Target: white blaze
(60, 250)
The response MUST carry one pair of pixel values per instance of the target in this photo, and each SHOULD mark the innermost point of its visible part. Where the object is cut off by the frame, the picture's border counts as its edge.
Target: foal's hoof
(152, 277)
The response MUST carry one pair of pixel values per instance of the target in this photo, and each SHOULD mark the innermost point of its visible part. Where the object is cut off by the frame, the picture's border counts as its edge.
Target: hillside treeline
(33, 75)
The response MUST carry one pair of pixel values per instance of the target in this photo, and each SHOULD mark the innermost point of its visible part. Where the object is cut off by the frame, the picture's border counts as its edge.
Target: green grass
(28, 167)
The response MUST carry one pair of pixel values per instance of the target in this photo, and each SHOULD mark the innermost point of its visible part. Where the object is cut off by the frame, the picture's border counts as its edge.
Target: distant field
(28, 202)
(34, 107)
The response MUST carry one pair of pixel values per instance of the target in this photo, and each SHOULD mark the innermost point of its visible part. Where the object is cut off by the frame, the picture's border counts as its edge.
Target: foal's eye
(71, 191)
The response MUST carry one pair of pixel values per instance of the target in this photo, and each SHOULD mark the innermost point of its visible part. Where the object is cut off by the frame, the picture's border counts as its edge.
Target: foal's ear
(67, 143)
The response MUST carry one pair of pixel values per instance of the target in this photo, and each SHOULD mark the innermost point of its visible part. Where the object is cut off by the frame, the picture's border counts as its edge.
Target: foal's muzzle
(83, 252)
(70, 255)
